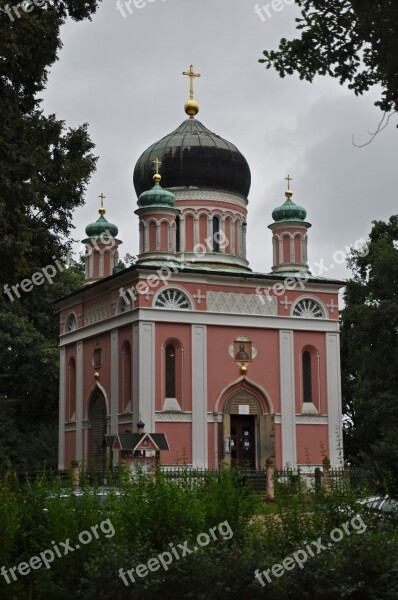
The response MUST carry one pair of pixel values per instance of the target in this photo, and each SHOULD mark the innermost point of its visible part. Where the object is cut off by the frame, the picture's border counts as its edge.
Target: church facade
(229, 364)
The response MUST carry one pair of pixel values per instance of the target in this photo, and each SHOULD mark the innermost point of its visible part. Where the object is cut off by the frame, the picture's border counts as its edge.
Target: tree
(354, 41)
(29, 371)
(370, 354)
(44, 171)
(44, 168)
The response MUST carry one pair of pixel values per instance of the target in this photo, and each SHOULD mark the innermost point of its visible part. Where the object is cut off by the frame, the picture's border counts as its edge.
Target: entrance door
(243, 441)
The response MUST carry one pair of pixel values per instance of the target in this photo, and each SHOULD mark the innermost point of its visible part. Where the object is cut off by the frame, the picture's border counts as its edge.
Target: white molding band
(199, 396)
(334, 398)
(288, 412)
(202, 318)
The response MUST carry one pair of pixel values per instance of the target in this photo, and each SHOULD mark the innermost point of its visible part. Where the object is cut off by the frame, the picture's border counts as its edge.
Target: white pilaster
(288, 408)
(334, 398)
(62, 399)
(114, 403)
(199, 396)
(79, 401)
(144, 374)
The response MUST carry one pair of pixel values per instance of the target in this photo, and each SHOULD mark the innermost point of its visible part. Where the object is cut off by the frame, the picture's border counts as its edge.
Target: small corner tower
(157, 216)
(102, 254)
(289, 236)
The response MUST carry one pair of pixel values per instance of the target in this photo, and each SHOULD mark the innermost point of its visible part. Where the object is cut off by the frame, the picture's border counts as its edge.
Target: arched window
(170, 371)
(125, 391)
(216, 234)
(308, 309)
(70, 323)
(307, 377)
(178, 225)
(70, 408)
(172, 299)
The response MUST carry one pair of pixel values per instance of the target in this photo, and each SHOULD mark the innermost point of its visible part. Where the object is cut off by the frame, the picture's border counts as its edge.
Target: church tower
(209, 180)
(102, 254)
(289, 238)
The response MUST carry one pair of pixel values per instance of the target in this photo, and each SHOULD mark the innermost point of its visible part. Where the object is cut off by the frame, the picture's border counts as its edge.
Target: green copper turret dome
(156, 196)
(101, 225)
(289, 211)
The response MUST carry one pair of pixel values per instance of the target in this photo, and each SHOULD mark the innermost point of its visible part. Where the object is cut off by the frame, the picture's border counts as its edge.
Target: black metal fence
(294, 480)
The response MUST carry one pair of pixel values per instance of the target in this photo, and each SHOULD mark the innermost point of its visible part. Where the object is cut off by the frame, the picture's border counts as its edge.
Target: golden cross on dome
(288, 179)
(191, 74)
(157, 164)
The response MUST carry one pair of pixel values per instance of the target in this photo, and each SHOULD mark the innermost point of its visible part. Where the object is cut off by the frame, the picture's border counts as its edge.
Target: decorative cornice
(173, 417)
(213, 196)
(311, 420)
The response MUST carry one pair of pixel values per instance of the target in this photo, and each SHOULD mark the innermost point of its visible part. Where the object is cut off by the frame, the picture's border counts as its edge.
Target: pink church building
(229, 364)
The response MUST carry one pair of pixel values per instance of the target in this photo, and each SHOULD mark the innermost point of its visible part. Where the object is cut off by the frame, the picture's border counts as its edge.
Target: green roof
(156, 196)
(100, 226)
(289, 211)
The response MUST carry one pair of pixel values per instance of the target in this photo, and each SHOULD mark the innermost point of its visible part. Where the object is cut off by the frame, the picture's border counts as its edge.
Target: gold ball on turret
(157, 178)
(288, 193)
(101, 211)
(96, 375)
(191, 108)
(243, 369)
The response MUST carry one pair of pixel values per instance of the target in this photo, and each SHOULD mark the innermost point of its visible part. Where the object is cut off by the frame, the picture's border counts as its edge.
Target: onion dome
(194, 157)
(101, 225)
(289, 211)
(156, 196)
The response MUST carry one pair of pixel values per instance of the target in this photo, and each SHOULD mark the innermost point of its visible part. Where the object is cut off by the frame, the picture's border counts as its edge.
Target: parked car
(382, 504)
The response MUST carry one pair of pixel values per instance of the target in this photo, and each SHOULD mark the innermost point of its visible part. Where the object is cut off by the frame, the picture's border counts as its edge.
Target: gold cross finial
(102, 209)
(157, 177)
(157, 164)
(288, 179)
(191, 74)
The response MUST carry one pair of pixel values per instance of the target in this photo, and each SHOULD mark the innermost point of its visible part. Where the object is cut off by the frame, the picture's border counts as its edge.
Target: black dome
(193, 156)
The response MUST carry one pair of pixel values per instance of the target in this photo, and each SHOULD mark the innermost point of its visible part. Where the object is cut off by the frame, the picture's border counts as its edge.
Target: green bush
(150, 518)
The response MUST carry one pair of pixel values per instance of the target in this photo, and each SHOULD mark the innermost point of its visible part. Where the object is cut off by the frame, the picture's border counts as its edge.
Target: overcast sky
(122, 75)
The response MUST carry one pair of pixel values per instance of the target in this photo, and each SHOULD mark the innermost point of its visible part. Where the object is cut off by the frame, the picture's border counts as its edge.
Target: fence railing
(294, 480)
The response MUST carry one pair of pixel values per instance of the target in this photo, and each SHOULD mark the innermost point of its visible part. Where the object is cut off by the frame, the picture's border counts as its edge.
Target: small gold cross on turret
(288, 179)
(102, 209)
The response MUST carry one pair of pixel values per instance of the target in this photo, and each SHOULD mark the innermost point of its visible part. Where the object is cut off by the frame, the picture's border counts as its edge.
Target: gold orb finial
(243, 369)
(102, 210)
(96, 375)
(191, 107)
(288, 192)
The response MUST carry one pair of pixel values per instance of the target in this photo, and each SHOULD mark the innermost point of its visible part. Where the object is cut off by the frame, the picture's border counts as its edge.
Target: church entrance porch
(243, 442)
(248, 433)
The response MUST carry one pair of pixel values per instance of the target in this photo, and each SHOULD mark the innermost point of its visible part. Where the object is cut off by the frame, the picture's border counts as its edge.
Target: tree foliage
(370, 353)
(44, 168)
(44, 171)
(354, 41)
